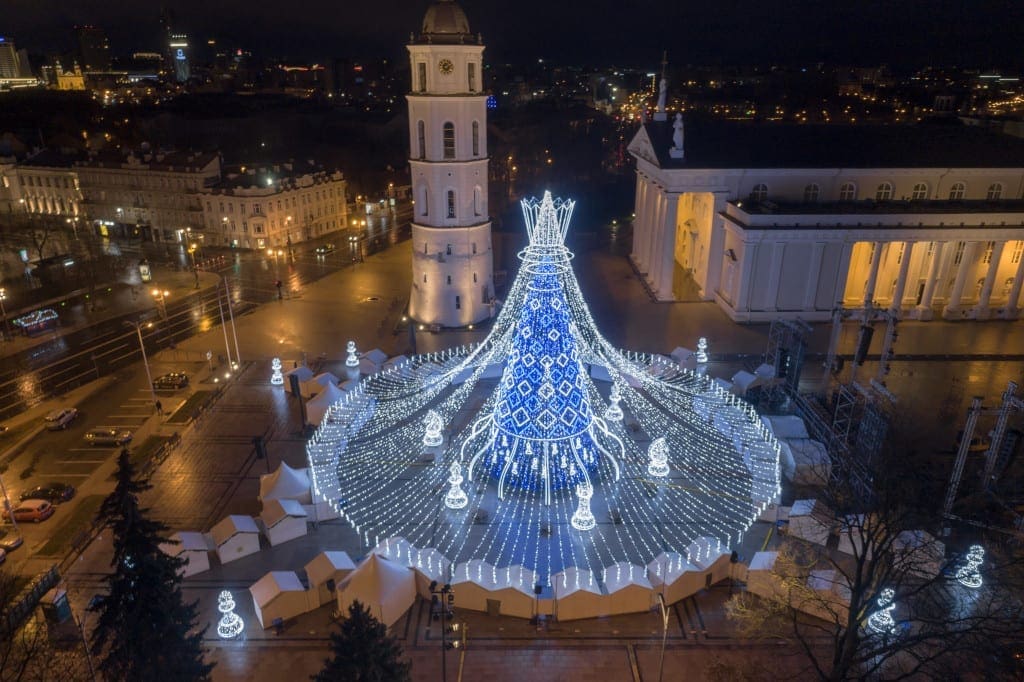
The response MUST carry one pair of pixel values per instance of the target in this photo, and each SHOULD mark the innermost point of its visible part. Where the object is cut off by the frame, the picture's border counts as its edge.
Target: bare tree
(822, 600)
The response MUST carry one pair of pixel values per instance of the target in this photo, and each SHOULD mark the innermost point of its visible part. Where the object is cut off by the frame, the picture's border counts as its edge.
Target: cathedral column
(981, 311)
(638, 216)
(650, 220)
(746, 269)
(876, 260)
(775, 275)
(924, 309)
(654, 237)
(1012, 307)
(667, 257)
(811, 290)
(901, 281)
(843, 273)
(966, 261)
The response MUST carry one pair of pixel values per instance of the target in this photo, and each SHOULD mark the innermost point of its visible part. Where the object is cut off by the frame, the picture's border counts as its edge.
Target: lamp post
(160, 296)
(664, 633)
(145, 360)
(441, 599)
(3, 311)
(195, 269)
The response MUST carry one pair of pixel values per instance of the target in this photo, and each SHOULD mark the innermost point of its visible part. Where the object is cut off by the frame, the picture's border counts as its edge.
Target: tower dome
(445, 22)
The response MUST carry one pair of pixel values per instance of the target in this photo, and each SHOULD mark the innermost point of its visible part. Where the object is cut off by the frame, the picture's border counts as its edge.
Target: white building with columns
(451, 230)
(787, 221)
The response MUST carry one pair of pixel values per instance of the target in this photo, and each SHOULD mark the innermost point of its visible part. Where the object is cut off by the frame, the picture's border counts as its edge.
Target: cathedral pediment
(641, 147)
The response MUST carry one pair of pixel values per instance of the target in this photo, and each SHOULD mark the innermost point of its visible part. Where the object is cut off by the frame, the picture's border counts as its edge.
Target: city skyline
(903, 34)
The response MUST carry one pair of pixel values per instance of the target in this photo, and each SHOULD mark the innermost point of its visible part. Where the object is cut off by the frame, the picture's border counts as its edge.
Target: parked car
(30, 510)
(59, 419)
(171, 380)
(9, 541)
(324, 249)
(108, 437)
(53, 492)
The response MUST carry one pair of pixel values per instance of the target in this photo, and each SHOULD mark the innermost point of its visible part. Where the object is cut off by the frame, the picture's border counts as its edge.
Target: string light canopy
(533, 449)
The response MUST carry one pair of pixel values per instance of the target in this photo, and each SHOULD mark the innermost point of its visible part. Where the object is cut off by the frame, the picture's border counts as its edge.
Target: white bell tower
(452, 261)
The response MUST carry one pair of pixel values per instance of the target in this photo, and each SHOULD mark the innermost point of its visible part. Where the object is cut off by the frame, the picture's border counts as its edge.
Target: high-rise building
(451, 231)
(8, 59)
(179, 57)
(93, 48)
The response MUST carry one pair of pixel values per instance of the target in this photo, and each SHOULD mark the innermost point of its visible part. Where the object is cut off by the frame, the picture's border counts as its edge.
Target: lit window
(1018, 249)
(920, 191)
(848, 192)
(958, 255)
(957, 191)
(989, 248)
(884, 192)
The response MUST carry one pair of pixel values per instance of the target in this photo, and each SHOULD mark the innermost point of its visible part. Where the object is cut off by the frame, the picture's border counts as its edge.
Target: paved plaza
(214, 471)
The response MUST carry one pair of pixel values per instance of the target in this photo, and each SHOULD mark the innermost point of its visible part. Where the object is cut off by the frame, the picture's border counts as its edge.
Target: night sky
(903, 33)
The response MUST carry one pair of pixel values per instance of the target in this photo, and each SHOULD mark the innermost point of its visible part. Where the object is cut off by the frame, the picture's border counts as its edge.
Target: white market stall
(234, 537)
(278, 594)
(382, 586)
(283, 520)
(674, 577)
(317, 407)
(810, 520)
(711, 557)
(474, 583)
(629, 590)
(193, 548)
(430, 566)
(577, 595)
(324, 573)
(514, 590)
(762, 579)
(805, 461)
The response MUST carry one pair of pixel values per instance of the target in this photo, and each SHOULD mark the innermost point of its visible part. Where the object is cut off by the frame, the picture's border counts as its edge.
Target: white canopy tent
(473, 583)
(316, 408)
(675, 577)
(805, 462)
(283, 520)
(286, 483)
(629, 590)
(785, 426)
(193, 548)
(577, 595)
(515, 592)
(278, 594)
(430, 566)
(325, 572)
(234, 537)
(382, 586)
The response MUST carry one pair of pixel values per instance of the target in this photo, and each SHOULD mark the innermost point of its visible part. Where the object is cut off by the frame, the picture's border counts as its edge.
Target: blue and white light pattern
(523, 417)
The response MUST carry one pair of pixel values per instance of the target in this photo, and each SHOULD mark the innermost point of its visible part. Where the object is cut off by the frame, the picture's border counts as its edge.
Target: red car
(31, 510)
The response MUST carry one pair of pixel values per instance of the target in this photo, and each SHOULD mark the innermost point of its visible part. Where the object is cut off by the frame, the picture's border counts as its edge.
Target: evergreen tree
(145, 630)
(363, 652)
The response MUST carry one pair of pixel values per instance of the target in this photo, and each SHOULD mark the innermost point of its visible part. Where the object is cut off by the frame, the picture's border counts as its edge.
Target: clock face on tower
(445, 66)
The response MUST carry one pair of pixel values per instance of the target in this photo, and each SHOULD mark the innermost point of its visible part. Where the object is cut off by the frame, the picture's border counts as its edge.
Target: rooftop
(712, 143)
(869, 207)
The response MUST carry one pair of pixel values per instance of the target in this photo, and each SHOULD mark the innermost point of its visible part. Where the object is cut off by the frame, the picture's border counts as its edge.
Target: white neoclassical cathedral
(788, 221)
(451, 231)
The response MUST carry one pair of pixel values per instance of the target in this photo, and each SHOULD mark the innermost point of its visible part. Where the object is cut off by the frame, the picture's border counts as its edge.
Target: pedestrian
(159, 408)
(278, 284)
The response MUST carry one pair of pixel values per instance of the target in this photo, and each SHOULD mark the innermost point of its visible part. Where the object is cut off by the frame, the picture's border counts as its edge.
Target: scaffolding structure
(787, 347)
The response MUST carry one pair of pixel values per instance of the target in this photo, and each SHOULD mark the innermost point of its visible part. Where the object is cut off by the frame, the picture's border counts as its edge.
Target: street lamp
(161, 301)
(145, 360)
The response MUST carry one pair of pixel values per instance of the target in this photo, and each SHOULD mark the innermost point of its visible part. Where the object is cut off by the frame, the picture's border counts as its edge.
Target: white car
(59, 419)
